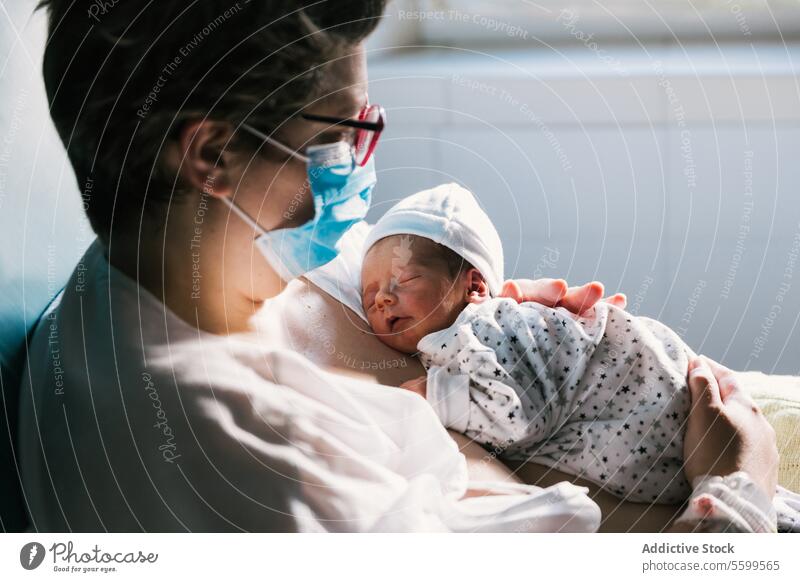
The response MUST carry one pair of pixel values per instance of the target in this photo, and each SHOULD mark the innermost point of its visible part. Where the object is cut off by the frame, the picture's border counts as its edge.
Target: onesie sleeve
(733, 503)
(500, 407)
(448, 394)
(483, 378)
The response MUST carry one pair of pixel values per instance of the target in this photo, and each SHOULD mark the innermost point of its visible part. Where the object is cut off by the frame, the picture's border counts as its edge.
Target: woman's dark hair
(122, 76)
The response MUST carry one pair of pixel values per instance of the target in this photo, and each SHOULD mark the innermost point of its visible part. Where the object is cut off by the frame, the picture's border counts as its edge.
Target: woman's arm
(618, 515)
(481, 465)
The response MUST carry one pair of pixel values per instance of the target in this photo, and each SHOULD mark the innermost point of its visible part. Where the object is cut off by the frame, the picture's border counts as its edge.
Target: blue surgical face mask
(342, 192)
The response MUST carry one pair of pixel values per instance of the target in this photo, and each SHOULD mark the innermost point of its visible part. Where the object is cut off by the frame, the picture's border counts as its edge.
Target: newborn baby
(603, 395)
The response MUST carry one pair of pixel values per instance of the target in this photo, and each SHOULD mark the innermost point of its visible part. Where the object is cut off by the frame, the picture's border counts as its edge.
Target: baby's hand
(417, 385)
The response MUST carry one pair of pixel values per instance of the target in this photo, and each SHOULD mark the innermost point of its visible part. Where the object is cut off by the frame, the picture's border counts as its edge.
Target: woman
(184, 380)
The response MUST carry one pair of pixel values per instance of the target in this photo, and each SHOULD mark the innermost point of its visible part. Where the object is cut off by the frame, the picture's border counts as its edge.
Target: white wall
(669, 173)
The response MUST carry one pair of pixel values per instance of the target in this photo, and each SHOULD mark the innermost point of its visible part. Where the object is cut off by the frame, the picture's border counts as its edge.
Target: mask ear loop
(276, 143)
(243, 215)
(235, 207)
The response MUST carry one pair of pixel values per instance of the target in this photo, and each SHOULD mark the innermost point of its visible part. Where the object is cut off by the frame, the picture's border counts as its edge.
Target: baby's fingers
(545, 291)
(618, 300)
(580, 299)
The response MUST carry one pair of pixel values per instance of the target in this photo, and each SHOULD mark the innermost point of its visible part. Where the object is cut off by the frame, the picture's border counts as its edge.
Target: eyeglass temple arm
(356, 123)
(275, 142)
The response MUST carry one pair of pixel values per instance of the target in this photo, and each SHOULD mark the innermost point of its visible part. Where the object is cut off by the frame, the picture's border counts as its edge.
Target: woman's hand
(556, 293)
(726, 432)
(417, 385)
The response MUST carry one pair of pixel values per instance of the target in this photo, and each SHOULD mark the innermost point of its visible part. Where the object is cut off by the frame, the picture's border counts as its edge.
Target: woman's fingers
(580, 299)
(725, 377)
(545, 291)
(716, 367)
(703, 387)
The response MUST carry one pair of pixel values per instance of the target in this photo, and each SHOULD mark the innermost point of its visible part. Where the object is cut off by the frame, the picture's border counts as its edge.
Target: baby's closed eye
(408, 278)
(368, 300)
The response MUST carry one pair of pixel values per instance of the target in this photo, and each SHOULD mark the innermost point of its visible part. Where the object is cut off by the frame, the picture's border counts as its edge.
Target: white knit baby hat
(448, 215)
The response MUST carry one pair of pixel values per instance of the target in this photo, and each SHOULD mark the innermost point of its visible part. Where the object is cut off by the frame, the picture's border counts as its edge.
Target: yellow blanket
(779, 399)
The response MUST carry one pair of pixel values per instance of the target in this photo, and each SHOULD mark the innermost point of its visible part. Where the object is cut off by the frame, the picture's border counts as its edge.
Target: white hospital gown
(603, 396)
(132, 420)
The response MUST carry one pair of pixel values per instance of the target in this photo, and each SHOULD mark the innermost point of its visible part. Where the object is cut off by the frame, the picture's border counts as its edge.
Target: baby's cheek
(421, 303)
(423, 325)
(373, 324)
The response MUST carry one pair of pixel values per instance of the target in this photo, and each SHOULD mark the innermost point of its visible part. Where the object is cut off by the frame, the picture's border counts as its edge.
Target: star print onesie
(603, 396)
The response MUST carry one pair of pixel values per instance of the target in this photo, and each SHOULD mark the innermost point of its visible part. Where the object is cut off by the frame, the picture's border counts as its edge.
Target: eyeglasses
(369, 125)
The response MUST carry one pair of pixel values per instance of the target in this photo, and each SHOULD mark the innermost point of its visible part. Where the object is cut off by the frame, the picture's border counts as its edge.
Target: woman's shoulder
(106, 330)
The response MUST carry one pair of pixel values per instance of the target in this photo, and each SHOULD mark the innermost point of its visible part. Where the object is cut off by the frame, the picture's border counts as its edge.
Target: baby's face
(405, 299)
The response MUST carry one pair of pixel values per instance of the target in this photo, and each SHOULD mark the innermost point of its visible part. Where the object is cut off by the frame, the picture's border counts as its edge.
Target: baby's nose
(383, 298)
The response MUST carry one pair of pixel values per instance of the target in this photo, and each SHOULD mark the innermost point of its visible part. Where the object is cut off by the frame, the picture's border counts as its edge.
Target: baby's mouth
(395, 322)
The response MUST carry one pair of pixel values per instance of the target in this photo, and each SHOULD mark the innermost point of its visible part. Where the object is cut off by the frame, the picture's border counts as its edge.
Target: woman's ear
(477, 290)
(203, 159)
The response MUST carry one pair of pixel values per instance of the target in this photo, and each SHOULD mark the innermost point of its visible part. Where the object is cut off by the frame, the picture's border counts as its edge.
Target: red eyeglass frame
(368, 131)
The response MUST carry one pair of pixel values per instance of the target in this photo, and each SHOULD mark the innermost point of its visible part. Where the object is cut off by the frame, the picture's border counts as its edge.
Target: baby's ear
(477, 289)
